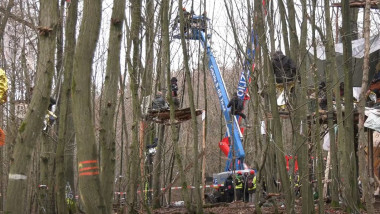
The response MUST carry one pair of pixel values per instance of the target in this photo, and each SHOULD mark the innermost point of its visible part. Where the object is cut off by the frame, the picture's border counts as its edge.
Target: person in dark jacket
(158, 102)
(229, 189)
(284, 68)
(174, 86)
(237, 108)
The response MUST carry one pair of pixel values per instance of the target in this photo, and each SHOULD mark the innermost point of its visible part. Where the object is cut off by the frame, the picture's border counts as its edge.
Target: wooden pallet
(163, 116)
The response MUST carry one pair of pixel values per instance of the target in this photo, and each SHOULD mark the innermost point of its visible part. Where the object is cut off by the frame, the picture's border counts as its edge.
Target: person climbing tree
(50, 117)
(237, 108)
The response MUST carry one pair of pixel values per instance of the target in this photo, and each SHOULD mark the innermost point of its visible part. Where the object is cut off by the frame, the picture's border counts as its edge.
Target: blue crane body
(232, 122)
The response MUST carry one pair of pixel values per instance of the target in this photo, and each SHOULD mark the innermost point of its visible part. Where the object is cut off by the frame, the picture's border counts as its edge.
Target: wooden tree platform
(360, 4)
(163, 116)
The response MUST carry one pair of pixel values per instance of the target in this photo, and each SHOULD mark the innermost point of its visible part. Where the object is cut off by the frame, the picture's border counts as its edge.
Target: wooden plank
(359, 4)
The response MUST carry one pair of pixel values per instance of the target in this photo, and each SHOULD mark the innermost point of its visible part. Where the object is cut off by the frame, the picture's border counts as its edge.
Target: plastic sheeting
(357, 48)
(373, 119)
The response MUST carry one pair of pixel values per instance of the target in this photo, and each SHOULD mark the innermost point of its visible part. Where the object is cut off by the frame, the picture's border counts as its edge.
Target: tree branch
(18, 19)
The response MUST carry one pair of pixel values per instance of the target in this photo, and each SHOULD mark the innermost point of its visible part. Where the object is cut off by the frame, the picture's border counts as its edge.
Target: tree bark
(65, 175)
(3, 24)
(348, 164)
(147, 85)
(109, 102)
(164, 67)
(194, 121)
(316, 127)
(134, 73)
(31, 127)
(331, 63)
(285, 34)
(294, 45)
(363, 142)
(302, 136)
(88, 167)
(277, 136)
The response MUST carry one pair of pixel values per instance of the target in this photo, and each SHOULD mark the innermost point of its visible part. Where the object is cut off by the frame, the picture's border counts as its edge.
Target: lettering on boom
(218, 90)
(242, 85)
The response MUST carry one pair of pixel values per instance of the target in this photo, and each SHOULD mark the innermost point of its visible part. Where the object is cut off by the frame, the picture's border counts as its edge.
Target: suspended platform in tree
(163, 116)
(360, 4)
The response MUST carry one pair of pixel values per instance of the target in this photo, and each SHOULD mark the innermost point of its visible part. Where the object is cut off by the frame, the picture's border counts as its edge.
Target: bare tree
(32, 125)
(108, 104)
(347, 149)
(331, 63)
(65, 160)
(88, 166)
(163, 68)
(134, 72)
(363, 165)
(302, 136)
(277, 127)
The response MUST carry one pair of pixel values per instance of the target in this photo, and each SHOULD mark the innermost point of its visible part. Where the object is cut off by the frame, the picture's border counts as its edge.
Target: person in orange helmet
(251, 186)
(239, 186)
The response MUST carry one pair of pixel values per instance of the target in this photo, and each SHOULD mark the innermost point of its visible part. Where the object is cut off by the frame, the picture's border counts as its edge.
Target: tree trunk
(66, 126)
(47, 171)
(157, 168)
(194, 121)
(317, 126)
(88, 167)
(133, 69)
(363, 165)
(294, 45)
(109, 102)
(348, 164)
(331, 63)
(31, 127)
(280, 157)
(147, 85)
(285, 34)
(205, 122)
(302, 136)
(3, 24)
(163, 67)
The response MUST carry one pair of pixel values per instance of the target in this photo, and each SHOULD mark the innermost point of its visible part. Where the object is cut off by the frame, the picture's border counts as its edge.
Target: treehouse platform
(163, 116)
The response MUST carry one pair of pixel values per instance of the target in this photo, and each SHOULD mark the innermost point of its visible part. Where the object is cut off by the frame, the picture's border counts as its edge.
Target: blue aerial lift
(196, 31)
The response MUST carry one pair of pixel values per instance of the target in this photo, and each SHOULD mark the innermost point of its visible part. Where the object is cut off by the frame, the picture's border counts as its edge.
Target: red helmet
(252, 172)
(184, 9)
(239, 173)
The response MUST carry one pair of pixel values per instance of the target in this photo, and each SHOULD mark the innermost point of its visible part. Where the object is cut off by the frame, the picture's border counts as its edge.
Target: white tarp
(357, 48)
(373, 119)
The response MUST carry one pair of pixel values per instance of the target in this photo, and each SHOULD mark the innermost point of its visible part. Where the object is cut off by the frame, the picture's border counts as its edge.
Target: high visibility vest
(239, 184)
(298, 181)
(3, 86)
(254, 184)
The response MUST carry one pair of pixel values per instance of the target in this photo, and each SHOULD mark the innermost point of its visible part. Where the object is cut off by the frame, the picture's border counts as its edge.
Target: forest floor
(243, 208)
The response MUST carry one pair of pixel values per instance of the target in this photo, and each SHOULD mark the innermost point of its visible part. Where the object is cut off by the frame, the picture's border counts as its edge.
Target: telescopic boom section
(233, 129)
(195, 31)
